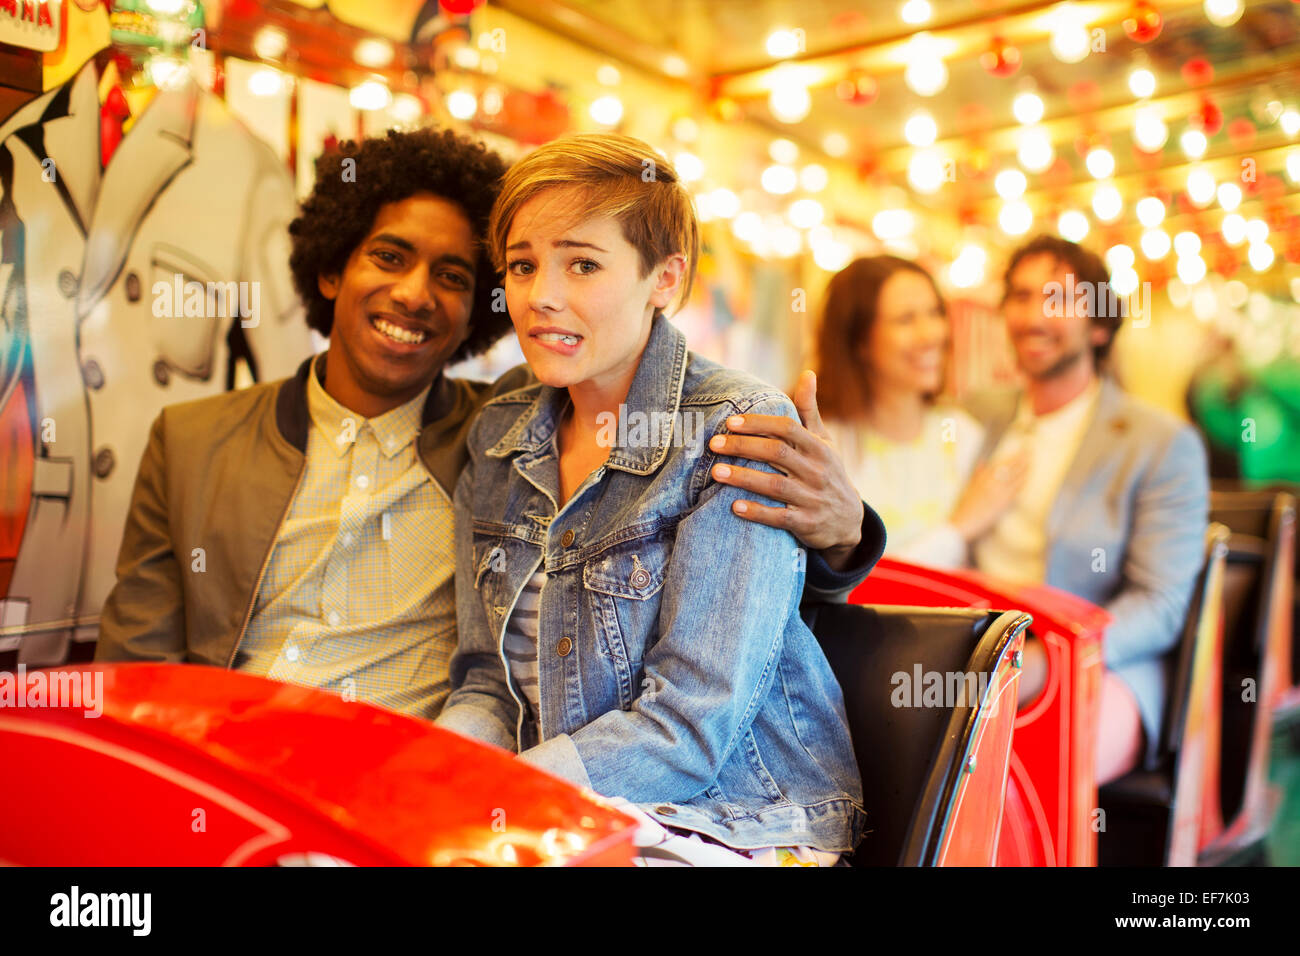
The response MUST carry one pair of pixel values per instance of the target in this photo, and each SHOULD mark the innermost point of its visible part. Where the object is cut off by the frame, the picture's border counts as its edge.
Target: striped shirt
(521, 644)
(357, 596)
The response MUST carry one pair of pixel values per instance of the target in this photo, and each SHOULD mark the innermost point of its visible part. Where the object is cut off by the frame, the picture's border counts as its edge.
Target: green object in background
(1254, 416)
(145, 25)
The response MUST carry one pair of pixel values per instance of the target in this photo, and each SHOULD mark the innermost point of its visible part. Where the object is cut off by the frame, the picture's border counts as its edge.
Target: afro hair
(355, 180)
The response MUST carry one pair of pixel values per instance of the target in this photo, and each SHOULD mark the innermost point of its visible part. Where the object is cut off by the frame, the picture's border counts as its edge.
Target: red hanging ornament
(1001, 58)
(1208, 118)
(460, 8)
(859, 88)
(1143, 23)
(1198, 72)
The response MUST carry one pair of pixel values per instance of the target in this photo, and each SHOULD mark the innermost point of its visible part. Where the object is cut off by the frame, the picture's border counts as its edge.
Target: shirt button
(334, 618)
(563, 647)
(566, 539)
(666, 810)
(363, 481)
(291, 653)
(347, 539)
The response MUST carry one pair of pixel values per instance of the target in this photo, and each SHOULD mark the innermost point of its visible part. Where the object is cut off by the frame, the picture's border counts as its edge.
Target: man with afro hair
(302, 529)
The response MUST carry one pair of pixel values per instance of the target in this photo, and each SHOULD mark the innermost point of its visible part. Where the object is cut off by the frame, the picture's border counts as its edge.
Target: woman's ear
(668, 280)
(328, 285)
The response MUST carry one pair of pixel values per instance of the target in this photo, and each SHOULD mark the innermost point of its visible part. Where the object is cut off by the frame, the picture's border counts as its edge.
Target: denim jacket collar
(656, 388)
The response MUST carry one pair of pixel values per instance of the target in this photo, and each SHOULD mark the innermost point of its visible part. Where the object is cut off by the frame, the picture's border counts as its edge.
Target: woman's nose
(544, 290)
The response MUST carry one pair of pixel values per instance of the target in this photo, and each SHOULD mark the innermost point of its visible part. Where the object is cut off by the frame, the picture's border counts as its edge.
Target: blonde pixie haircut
(615, 176)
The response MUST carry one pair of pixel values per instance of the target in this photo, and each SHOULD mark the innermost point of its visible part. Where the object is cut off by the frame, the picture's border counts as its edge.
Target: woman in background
(881, 355)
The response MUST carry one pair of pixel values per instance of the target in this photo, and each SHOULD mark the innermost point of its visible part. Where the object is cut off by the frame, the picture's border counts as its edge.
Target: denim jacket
(674, 669)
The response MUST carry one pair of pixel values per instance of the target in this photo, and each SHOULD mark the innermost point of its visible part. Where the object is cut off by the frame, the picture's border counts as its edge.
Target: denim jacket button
(640, 578)
(566, 539)
(666, 810)
(563, 647)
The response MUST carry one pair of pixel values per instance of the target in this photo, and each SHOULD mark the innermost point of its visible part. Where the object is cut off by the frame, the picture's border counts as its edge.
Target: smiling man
(1114, 504)
(303, 530)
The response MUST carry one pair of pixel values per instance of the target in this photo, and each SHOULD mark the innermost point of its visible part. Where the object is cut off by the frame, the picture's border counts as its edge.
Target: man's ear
(668, 280)
(328, 285)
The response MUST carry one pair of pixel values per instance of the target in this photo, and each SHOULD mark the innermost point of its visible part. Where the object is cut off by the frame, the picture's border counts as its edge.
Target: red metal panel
(1051, 789)
(195, 765)
(972, 836)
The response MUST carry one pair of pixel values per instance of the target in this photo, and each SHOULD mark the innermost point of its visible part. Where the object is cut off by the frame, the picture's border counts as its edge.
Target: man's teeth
(399, 334)
(559, 337)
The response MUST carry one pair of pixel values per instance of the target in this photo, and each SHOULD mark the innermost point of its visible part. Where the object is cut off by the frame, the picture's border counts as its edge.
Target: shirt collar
(394, 429)
(1072, 411)
(656, 388)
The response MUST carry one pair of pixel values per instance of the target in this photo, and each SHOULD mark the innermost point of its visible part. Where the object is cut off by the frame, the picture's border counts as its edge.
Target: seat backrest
(1258, 593)
(1270, 513)
(911, 745)
(1190, 736)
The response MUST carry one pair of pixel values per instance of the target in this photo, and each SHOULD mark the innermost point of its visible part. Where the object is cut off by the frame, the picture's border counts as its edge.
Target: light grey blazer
(1126, 531)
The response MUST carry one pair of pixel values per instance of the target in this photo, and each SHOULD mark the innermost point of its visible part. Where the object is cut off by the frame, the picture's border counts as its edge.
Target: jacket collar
(108, 206)
(292, 417)
(656, 388)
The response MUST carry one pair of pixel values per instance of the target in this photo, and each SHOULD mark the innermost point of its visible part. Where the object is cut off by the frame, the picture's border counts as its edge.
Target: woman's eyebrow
(557, 244)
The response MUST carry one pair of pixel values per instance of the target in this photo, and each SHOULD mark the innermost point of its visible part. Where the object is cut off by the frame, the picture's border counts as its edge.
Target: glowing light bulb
(1142, 83)
(1229, 196)
(607, 110)
(779, 180)
(1028, 108)
(1150, 130)
(1107, 203)
(1072, 225)
(1015, 218)
(1223, 13)
(1155, 243)
(920, 129)
(1260, 255)
(1150, 211)
(1201, 187)
(1187, 244)
(1120, 257)
(1234, 229)
(1194, 143)
(1010, 183)
(1035, 152)
(1100, 163)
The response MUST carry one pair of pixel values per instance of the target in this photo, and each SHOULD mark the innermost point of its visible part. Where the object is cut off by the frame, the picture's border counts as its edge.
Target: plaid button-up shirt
(357, 596)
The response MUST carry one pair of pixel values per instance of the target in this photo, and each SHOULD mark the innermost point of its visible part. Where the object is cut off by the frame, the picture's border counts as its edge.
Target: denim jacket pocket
(624, 585)
(492, 564)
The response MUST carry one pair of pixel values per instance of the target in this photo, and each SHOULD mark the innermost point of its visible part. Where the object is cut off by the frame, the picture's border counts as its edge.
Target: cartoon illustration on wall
(143, 262)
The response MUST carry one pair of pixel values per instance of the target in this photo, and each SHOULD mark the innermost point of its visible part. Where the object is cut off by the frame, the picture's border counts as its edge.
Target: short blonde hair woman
(617, 626)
